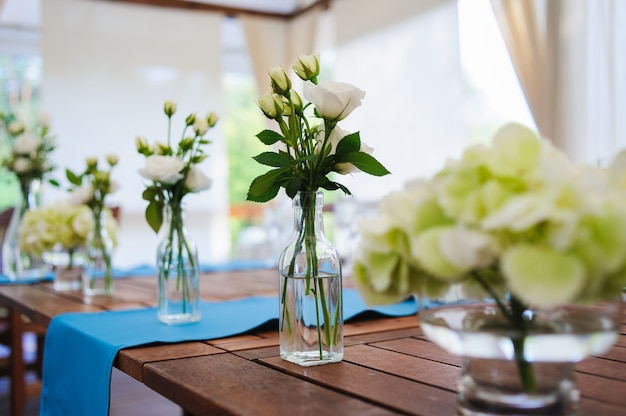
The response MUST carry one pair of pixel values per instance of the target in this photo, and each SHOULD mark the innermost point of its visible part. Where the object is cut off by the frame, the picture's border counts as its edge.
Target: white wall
(411, 73)
(108, 68)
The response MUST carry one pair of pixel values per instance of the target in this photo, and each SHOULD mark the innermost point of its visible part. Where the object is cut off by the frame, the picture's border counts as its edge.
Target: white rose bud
(307, 67)
(142, 145)
(281, 83)
(164, 169)
(271, 105)
(196, 180)
(334, 101)
(162, 148)
(212, 118)
(201, 126)
(112, 159)
(191, 118)
(169, 107)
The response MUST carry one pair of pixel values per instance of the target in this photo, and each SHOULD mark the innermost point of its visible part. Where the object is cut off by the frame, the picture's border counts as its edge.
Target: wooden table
(389, 366)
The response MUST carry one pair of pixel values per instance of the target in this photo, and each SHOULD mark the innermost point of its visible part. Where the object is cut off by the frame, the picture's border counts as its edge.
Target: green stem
(515, 315)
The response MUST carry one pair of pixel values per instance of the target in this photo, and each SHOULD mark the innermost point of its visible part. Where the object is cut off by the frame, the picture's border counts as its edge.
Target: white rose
(334, 100)
(26, 144)
(335, 137)
(81, 195)
(21, 165)
(164, 169)
(197, 181)
(201, 126)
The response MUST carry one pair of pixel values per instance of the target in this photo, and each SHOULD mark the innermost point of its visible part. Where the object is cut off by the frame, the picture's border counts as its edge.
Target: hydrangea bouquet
(308, 149)
(516, 222)
(57, 227)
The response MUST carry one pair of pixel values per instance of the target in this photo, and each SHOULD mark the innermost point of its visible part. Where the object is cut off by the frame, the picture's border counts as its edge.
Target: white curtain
(274, 42)
(569, 57)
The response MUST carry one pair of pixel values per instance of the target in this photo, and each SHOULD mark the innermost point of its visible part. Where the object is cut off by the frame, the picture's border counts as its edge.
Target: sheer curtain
(273, 42)
(569, 57)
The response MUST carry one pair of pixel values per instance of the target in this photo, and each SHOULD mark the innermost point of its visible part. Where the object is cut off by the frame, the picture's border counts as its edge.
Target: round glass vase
(177, 270)
(67, 264)
(18, 264)
(310, 291)
(98, 275)
(509, 372)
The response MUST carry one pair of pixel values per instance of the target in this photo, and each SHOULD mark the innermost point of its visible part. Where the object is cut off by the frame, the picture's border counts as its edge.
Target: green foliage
(240, 125)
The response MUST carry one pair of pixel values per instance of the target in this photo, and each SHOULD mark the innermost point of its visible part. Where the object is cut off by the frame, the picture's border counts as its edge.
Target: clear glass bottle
(310, 293)
(16, 263)
(177, 269)
(98, 276)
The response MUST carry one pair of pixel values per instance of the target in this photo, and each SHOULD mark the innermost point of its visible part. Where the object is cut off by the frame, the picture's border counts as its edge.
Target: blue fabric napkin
(80, 347)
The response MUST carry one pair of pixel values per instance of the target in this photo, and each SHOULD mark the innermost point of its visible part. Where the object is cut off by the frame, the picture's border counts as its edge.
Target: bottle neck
(308, 213)
(174, 216)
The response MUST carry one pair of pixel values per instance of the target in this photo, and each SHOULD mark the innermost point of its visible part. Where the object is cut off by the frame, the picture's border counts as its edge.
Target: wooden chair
(13, 326)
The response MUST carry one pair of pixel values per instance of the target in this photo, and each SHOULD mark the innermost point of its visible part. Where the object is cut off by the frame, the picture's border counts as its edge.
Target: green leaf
(264, 185)
(365, 162)
(269, 137)
(273, 159)
(293, 186)
(154, 215)
(73, 178)
(149, 194)
(350, 143)
(268, 195)
(54, 183)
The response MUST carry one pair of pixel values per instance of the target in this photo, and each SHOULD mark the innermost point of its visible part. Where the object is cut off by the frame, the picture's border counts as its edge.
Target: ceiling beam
(227, 10)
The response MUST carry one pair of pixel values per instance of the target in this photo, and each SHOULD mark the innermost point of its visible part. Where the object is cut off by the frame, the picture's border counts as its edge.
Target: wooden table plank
(389, 365)
(443, 376)
(381, 388)
(226, 384)
(132, 360)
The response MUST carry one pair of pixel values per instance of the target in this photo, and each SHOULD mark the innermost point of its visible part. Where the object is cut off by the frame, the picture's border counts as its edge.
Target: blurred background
(437, 73)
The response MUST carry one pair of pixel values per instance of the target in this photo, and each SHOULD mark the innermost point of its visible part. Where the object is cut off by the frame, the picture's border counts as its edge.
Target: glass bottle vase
(310, 292)
(177, 269)
(98, 276)
(19, 263)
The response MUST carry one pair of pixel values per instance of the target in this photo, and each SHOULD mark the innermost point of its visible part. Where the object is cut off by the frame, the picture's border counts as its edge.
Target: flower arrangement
(31, 145)
(309, 148)
(173, 171)
(311, 152)
(516, 222)
(91, 187)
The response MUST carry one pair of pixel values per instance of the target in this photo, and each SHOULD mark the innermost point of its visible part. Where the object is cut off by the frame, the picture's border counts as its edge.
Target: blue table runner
(150, 270)
(80, 347)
